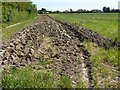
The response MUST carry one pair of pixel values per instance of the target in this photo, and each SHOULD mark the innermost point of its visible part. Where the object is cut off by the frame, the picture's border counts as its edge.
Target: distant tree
(115, 10)
(80, 10)
(50, 11)
(71, 10)
(66, 11)
(106, 9)
(43, 10)
(40, 12)
(57, 11)
(95, 11)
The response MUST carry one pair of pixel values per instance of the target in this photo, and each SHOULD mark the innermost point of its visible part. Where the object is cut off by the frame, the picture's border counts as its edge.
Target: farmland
(50, 54)
(107, 25)
(103, 23)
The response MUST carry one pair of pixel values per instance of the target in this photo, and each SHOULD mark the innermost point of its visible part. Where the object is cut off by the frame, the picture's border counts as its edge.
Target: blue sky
(75, 4)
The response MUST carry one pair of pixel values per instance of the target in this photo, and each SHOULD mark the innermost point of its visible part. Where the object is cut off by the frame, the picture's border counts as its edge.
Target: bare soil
(58, 44)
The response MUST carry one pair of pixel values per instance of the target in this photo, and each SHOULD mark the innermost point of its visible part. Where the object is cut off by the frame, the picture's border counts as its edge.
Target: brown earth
(57, 43)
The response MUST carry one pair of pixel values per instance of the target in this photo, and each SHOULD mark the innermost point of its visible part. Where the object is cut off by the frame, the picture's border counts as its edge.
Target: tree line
(18, 11)
(104, 10)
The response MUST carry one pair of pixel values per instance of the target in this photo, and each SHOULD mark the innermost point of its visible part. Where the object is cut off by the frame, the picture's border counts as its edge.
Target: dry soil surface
(58, 44)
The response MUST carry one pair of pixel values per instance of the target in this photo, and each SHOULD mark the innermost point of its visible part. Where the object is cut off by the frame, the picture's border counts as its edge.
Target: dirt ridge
(87, 34)
(57, 43)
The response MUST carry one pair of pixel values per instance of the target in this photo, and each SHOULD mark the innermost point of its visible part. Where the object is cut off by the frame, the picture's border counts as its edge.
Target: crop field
(53, 54)
(103, 23)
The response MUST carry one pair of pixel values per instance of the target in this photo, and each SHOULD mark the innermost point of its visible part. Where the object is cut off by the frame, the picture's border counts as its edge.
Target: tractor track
(59, 42)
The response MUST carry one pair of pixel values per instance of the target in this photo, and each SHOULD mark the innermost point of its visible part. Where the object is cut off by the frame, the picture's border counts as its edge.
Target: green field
(104, 23)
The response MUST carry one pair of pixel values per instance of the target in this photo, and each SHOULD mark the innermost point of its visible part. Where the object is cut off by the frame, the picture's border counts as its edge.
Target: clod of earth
(57, 43)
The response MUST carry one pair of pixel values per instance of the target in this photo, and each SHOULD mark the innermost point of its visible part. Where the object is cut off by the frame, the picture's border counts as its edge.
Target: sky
(75, 4)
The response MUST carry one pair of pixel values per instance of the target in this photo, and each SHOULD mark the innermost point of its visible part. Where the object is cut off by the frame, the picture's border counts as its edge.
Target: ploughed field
(54, 54)
(103, 23)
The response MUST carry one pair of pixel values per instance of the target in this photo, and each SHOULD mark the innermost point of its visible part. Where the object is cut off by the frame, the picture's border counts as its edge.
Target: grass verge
(27, 78)
(8, 32)
(104, 66)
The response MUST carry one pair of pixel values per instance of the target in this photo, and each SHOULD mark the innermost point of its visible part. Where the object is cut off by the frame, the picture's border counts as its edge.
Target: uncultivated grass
(8, 32)
(104, 64)
(27, 78)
